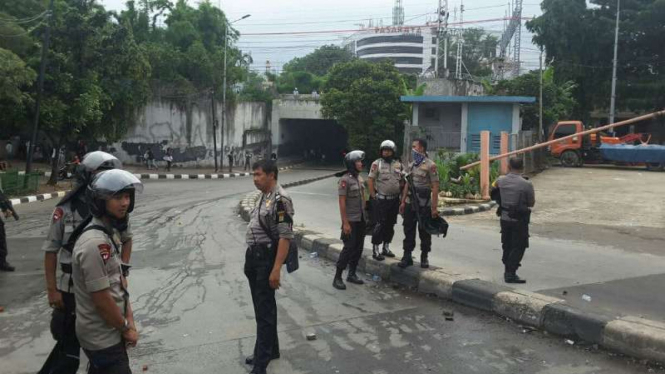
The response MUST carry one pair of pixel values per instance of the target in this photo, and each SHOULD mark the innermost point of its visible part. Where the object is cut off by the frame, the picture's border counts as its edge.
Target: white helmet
(388, 144)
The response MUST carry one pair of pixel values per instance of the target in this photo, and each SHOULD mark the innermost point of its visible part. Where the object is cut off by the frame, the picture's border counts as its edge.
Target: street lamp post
(226, 33)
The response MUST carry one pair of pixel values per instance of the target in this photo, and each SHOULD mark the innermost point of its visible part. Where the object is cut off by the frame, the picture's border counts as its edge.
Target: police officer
(104, 318)
(425, 179)
(385, 184)
(4, 265)
(351, 193)
(515, 197)
(70, 212)
(269, 234)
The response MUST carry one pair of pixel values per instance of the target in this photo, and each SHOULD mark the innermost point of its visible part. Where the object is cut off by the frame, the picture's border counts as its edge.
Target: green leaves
(364, 97)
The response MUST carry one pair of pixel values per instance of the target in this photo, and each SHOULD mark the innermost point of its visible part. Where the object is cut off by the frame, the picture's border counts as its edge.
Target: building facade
(411, 48)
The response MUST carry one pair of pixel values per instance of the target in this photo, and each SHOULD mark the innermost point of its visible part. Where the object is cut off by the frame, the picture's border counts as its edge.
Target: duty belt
(260, 246)
(66, 268)
(386, 197)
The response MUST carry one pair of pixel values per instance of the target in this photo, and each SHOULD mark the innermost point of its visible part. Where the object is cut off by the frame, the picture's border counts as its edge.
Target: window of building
(431, 113)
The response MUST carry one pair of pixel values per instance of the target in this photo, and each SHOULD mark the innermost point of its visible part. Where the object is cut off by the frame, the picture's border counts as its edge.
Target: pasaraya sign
(398, 29)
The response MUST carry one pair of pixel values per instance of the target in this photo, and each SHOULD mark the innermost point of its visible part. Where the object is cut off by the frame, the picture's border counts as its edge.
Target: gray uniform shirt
(387, 175)
(63, 223)
(96, 267)
(424, 175)
(275, 210)
(352, 187)
(514, 189)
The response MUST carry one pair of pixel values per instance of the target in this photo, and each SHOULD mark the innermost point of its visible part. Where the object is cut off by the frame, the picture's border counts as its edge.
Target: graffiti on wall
(137, 150)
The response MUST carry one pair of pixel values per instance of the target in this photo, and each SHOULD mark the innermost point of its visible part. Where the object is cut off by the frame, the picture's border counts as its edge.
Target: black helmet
(435, 226)
(351, 158)
(109, 183)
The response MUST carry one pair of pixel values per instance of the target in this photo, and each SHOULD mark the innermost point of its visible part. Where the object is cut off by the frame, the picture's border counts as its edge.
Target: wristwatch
(125, 326)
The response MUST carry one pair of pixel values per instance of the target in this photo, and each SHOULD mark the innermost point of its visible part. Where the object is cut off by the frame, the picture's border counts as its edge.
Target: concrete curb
(32, 199)
(467, 209)
(633, 336)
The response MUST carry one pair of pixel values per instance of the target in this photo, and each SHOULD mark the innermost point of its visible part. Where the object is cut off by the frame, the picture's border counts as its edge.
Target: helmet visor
(108, 183)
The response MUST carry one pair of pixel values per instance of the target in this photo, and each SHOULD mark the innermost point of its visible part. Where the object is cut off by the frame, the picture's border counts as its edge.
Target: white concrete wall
(189, 130)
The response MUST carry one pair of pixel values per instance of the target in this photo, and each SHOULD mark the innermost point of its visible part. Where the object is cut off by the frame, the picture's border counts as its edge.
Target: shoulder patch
(433, 168)
(342, 184)
(105, 251)
(58, 213)
(374, 166)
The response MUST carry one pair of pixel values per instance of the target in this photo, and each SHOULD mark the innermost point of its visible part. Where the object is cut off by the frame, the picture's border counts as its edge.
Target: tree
(364, 97)
(15, 78)
(580, 40)
(558, 100)
(255, 90)
(479, 49)
(320, 61)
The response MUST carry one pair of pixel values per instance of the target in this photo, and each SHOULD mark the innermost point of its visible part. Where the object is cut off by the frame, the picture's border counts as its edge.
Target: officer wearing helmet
(104, 318)
(69, 213)
(385, 183)
(351, 193)
(425, 179)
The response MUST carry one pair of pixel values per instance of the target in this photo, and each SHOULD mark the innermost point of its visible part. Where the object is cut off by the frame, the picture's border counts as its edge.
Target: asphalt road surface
(195, 315)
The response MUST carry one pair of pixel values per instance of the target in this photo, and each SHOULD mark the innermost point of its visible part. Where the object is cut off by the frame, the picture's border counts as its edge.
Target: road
(621, 271)
(195, 315)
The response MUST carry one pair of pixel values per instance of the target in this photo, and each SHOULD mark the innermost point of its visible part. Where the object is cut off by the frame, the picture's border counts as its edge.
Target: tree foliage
(478, 51)
(320, 61)
(364, 97)
(580, 41)
(558, 100)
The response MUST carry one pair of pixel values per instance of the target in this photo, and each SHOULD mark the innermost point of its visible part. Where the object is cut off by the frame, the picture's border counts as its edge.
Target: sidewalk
(624, 315)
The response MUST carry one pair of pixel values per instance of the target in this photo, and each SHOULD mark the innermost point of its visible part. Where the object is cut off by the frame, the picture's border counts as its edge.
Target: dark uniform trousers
(410, 223)
(353, 246)
(514, 241)
(112, 360)
(3, 243)
(64, 358)
(386, 218)
(259, 261)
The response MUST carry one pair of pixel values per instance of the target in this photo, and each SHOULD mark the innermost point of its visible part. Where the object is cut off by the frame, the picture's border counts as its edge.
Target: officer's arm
(434, 177)
(126, 251)
(51, 246)
(342, 209)
(370, 185)
(531, 196)
(92, 262)
(405, 192)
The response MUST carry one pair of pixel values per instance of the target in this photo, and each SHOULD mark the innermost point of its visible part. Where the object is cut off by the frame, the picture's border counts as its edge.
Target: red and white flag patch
(105, 251)
(58, 213)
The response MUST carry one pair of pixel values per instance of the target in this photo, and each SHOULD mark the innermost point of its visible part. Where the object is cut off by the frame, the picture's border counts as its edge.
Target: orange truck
(597, 148)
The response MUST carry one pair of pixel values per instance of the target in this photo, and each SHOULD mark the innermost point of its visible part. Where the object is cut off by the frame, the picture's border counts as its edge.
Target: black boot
(258, 370)
(424, 262)
(353, 278)
(406, 260)
(376, 253)
(7, 267)
(386, 250)
(250, 359)
(338, 282)
(512, 277)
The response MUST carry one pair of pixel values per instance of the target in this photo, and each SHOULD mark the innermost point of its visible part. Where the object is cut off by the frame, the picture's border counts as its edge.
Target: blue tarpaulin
(650, 153)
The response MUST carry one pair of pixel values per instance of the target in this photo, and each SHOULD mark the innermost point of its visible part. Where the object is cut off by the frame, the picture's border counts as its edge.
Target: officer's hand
(435, 212)
(7, 213)
(274, 279)
(131, 337)
(402, 208)
(55, 300)
(346, 228)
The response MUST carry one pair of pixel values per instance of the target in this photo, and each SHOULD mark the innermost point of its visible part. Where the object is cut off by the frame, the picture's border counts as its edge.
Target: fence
(533, 161)
(14, 184)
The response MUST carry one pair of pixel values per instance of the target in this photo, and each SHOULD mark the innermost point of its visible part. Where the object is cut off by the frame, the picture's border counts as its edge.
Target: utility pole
(540, 100)
(614, 67)
(40, 87)
(214, 127)
(438, 39)
(226, 34)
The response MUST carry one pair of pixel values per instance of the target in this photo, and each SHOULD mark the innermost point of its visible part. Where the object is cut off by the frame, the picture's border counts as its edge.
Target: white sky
(318, 15)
